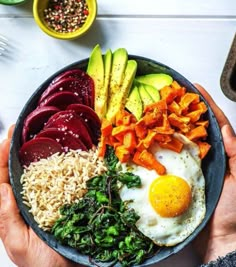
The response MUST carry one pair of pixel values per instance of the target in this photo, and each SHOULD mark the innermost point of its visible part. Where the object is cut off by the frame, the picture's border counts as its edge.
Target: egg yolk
(170, 196)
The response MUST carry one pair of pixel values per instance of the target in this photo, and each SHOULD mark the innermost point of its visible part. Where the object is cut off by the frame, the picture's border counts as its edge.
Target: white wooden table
(193, 37)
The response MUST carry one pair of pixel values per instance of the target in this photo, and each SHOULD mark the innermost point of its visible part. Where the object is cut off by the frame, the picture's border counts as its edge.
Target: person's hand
(219, 237)
(22, 245)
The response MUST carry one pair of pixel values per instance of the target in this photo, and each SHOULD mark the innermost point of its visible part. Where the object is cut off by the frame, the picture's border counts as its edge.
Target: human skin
(22, 245)
(219, 237)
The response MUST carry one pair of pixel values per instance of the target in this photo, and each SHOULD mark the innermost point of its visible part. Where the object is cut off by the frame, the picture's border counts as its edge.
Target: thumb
(229, 139)
(13, 230)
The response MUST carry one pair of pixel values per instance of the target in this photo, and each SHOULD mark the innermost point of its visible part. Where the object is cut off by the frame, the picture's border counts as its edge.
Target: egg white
(168, 231)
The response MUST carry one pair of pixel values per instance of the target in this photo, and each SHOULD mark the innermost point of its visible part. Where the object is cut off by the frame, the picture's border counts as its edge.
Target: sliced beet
(37, 149)
(35, 121)
(82, 85)
(67, 140)
(83, 77)
(61, 99)
(90, 117)
(66, 84)
(69, 121)
(74, 73)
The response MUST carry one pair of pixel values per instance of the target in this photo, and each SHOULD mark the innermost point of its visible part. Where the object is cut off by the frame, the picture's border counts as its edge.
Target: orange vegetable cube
(161, 105)
(168, 94)
(203, 123)
(174, 107)
(197, 133)
(204, 147)
(122, 153)
(102, 147)
(149, 161)
(141, 129)
(187, 99)
(179, 122)
(174, 145)
(106, 127)
(130, 141)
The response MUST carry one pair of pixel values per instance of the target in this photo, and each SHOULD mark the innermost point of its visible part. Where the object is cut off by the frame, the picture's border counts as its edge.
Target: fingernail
(3, 193)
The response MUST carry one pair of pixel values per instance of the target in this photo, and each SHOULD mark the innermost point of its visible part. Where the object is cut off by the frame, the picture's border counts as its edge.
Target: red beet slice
(82, 85)
(67, 140)
(73, 73)
(82, 77)
(35, 121)
(60, 100)
(69, 121)
(37, 149)
(90, 117)
(66, 84)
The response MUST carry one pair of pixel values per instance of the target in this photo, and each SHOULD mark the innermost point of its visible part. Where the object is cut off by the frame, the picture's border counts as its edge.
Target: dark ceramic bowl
(213, 165)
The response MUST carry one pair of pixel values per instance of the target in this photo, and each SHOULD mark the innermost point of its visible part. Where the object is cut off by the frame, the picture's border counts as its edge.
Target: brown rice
(61, 179)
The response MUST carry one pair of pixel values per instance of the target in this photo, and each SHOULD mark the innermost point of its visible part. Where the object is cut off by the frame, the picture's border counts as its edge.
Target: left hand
(22, 245)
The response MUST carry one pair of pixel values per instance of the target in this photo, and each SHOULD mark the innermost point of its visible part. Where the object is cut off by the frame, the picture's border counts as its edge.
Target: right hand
(219, 237)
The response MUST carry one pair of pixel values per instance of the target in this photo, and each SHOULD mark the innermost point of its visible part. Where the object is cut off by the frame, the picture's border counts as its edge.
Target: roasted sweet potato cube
(197, 133)
(187, 99)
(174, 144)
(204, 148)
(179, 122)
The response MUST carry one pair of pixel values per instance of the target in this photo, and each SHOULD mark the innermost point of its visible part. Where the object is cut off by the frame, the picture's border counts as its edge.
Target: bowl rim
(168, 251)
(64, 36)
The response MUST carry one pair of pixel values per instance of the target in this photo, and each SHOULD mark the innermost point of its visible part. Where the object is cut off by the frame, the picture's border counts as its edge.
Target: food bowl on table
(212, 170)
(65, 21)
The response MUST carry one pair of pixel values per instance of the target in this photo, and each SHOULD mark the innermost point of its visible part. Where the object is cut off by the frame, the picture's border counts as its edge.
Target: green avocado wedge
(107, 59)
(119, 62)
(145, 96)
(153, 92)
(118, 100)
(96, 71)
(134, 103)
(158, 80)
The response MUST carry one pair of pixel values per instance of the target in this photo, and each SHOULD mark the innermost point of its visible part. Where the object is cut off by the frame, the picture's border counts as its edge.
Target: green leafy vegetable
(101, 225)
(110, 158)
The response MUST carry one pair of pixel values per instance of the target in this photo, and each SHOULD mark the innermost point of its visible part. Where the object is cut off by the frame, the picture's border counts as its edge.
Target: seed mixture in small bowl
(65, 19)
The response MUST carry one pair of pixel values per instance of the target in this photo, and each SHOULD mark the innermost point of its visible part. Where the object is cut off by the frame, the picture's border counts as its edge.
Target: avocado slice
(107, 66)
(119, 62)
(107, 60)
(95, 70)
(118, 100)
(134, 103)
(145, 96)
(158, 80)
(153, 92)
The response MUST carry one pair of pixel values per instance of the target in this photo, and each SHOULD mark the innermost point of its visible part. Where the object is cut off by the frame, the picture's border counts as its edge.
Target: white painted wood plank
(147, 7)
(168, 7)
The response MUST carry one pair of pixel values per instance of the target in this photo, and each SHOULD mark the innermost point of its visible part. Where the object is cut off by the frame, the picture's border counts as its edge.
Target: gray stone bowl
(213, 165)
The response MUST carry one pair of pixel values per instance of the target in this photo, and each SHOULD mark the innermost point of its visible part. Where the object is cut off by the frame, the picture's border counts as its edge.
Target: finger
(10, 131)
(229, 139)
(4, 154)
(12, 226)
(220, 116)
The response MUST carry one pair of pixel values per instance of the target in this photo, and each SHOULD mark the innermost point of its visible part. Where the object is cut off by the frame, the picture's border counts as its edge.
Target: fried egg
(172, 206)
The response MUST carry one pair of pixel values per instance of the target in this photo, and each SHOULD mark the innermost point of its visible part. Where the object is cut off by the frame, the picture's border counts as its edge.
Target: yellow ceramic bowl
(38, 9)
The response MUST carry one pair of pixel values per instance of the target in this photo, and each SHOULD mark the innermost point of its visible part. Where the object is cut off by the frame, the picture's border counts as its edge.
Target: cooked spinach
(101, 225)
(111, 159)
